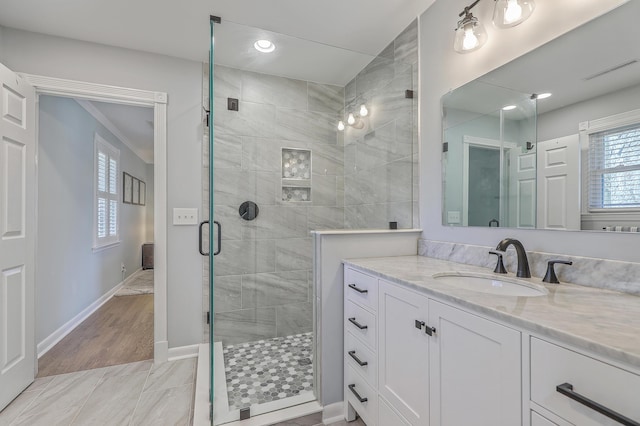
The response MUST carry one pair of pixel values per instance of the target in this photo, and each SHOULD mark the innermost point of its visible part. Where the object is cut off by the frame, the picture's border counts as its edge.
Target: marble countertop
(601, 321)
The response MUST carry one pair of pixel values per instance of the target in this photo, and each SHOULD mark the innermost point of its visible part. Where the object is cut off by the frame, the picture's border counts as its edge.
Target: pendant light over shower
(471, 34)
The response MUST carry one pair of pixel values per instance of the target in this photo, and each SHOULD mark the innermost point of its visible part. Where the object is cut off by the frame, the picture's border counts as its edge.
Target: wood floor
(120, 332)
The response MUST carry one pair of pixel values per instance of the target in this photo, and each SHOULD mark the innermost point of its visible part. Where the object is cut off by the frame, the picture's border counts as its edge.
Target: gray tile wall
(380, 165)
(362, 178)
(262, 276)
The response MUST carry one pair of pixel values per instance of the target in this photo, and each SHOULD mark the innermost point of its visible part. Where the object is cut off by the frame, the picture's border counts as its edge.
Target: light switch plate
(182, 216)
(453, 217)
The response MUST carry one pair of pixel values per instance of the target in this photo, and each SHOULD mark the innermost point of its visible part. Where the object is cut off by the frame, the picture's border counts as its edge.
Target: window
(107, 194)
(614, 168)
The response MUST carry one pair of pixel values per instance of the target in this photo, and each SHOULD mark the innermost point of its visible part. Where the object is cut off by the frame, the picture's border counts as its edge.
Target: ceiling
(181, 28)
(133, 125)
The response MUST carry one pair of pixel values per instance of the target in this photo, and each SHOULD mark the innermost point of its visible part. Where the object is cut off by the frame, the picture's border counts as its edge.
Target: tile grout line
(133, 413)
(30, 403)
(88, 395)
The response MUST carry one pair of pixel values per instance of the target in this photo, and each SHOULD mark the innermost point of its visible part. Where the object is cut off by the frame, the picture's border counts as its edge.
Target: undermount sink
(492, 284)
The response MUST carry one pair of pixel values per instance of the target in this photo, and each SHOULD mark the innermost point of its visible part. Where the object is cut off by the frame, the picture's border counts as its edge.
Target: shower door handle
(200, 248)
(217, 252)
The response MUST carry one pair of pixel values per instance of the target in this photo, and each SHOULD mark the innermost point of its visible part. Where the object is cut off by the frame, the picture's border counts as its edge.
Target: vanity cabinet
(579, 376)
(436, 364)
(475, 369)
(403, 355)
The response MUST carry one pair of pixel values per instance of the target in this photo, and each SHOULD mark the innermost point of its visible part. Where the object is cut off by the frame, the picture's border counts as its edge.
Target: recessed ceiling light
(543, 95)
(264, 46)
(509, 107)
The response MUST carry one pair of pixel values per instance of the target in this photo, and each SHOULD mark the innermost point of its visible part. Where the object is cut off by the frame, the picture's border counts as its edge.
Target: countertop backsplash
(587, 271)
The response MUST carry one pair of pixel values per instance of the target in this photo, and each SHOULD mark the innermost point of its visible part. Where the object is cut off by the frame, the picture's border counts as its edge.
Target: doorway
(157, 195)
(94, 290)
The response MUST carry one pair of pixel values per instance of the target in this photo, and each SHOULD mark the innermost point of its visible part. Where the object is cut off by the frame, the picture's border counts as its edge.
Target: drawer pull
(352, 354)
(359, 290)
(430, 330)
(567, 390)
(352, 388)
(357, 324)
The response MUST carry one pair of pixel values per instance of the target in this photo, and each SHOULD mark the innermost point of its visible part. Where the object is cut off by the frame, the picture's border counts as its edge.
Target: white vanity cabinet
(436, 364)
(403, 354)
(566, 382)
(475, 370)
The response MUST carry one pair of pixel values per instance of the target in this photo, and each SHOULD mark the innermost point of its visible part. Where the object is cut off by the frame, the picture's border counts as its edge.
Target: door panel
(17, 237)
(558, 183)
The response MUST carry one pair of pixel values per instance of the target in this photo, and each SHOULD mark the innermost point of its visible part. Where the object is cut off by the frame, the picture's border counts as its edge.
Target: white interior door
(17, 234)
(559, 183)
(523, 189)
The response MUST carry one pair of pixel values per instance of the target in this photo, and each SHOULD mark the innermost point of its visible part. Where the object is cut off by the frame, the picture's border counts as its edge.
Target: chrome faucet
(523, 263)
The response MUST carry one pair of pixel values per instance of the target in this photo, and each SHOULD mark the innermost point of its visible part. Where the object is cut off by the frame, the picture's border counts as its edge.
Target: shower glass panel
(284, 167)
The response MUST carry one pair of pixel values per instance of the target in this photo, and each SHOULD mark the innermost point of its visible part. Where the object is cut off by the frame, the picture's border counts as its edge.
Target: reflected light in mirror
(543, 96)
(509, 107)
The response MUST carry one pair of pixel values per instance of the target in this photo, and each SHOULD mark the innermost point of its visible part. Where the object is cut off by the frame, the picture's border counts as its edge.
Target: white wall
(442, 69)
(181, 79)
(70, 276)
(150, 200)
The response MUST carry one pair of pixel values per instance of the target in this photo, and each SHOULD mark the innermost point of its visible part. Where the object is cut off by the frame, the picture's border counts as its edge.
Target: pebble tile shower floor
(268, 370)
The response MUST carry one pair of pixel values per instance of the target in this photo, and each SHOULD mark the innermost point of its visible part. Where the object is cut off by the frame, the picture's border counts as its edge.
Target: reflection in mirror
(582, 170)
(491, 163)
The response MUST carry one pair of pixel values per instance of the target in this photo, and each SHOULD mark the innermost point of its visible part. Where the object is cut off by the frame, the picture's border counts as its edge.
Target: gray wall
(263, 274)
(381, 157)
(64, 58)
(442, 69)
(70, 276)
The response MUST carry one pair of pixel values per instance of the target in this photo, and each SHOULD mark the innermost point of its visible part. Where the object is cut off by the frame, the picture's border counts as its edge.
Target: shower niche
(296, 175)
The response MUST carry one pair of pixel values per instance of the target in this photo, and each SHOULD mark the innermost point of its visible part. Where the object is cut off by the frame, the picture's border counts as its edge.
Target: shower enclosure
(305, 138)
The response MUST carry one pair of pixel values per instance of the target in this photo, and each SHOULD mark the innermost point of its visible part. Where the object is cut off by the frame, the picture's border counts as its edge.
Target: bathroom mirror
(513, 159)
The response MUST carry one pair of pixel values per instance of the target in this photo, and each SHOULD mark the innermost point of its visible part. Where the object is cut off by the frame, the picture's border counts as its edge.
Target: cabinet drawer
(361, 288)
(354, 348)
(538, 420)
(368, 409)
(361, 323)
(609, 386)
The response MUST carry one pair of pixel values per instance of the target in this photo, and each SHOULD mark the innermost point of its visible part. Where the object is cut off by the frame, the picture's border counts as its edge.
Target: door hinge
(208, 317)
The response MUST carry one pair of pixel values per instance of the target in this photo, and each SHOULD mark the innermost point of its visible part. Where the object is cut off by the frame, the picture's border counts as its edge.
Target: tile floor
(316, 420)
(129, 394)
(268, 370)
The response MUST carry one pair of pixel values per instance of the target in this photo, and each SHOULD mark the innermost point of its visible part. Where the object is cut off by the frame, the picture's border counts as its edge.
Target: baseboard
(51, 340)
(333, 413)
(182, 352)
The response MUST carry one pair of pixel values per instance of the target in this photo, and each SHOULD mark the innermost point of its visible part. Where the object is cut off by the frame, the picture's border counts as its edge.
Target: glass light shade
(363, 110)
(470, 35)
(509, 13)
(340, 125)
(351, 119)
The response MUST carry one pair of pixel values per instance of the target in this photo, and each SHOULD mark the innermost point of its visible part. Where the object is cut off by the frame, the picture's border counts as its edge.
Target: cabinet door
(475, 370)
(403, 352)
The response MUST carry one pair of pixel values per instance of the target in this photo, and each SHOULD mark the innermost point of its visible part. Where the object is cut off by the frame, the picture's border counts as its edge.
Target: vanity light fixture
(509, 13)
(264, 46)
(341, 125)
(351, 119)
(509, 107)
(363, 110)
(470, 33)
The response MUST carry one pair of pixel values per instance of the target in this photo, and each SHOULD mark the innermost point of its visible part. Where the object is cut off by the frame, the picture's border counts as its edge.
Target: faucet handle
(500, 269)
(550, 276)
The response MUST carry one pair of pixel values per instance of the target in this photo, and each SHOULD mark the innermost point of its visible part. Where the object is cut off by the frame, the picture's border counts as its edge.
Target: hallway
(119, 332)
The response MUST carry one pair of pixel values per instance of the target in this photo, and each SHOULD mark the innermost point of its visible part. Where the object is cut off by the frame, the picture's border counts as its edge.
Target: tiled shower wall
(263, 274)
(361, 178)
(380, 182)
